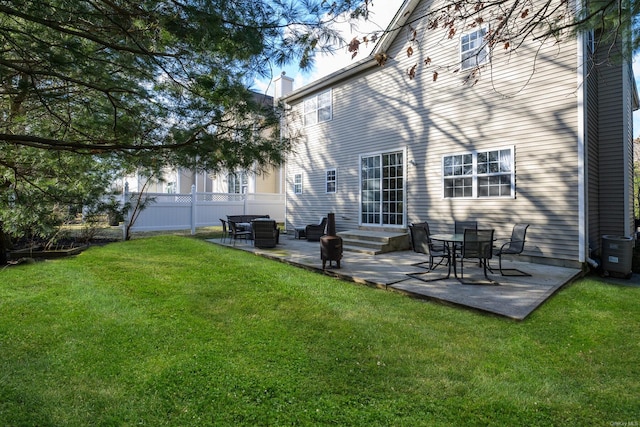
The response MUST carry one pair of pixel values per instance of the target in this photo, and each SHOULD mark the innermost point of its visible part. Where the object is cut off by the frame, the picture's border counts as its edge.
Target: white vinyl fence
(187, 211)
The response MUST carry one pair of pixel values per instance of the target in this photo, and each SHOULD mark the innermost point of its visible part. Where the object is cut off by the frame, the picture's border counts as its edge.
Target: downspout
(283, 170)
(583, 199)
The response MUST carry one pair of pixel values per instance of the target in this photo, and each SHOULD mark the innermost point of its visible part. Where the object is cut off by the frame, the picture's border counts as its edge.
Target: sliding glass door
(382, 189)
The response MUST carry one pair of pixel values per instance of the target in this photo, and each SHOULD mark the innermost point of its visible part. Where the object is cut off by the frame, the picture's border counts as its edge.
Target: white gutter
(364, 64)
(583, 200)
(627, 131)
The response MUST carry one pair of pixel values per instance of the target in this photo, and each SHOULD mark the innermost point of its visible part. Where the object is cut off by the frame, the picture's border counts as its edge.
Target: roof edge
(332, 78)
(396, 24)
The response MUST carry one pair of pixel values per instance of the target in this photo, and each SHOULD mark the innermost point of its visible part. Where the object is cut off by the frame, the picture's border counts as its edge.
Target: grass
(171, 330)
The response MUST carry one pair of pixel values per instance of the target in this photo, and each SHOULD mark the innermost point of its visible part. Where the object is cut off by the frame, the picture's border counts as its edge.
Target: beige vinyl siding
(512, 105)
(536, 116)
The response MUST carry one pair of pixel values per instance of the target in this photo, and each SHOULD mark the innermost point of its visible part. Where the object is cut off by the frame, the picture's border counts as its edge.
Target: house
(542, 137)
(237, 181)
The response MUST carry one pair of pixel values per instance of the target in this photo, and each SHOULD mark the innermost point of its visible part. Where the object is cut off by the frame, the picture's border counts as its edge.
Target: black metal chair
(460, 226)
(225, 231)
(514, 246)
(314, 232)
(236, 233)
(477, 244)
(421, 243)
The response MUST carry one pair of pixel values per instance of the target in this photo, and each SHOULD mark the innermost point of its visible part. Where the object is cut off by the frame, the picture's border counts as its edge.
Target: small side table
(300, 233)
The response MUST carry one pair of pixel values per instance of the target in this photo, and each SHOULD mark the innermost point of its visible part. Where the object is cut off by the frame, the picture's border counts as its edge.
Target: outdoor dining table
(452, 240)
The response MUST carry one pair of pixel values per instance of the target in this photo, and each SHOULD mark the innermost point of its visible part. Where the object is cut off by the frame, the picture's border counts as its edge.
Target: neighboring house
(240, 181)
(545, 142)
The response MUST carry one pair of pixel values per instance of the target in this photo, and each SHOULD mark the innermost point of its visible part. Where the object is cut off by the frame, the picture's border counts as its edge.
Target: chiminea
(331, 245)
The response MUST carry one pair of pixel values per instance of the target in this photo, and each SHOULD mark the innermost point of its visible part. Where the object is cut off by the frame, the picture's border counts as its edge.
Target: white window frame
(297, 183)
(318, 108)
(238, 180)
(331, 177)
(474, 50)
(476, 178)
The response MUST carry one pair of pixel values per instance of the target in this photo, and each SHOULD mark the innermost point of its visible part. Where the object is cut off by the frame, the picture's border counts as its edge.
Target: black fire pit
(331, 245)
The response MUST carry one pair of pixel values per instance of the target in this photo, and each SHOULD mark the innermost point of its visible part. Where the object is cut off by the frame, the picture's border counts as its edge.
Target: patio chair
(314, 232)
(460, 226)
(421, 243)
(514, 246)
(477, 244)
(236, 233)
(265, 234)
(225, 231)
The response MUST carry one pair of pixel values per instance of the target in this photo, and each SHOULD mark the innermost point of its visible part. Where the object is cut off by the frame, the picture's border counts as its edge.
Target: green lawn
(172, 330)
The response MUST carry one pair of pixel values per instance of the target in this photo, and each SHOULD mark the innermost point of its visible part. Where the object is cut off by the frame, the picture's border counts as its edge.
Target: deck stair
(374, 242)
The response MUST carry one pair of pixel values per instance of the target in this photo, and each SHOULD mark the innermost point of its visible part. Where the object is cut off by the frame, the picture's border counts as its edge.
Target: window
(458, 175)
(238, 182)
(331, 181)
(479, 174)
(591, 41)
(473, 49)
(297, 183)
(317, 108)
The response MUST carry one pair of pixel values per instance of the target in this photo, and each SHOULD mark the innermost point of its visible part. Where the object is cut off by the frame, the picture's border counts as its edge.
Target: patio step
(374, 242)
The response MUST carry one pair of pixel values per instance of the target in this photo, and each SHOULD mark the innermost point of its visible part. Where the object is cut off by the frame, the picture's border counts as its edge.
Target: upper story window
(473, 49)
(238, 182)
(331, 181)
(479, 174)
(317, 108)
(297, 183)
(591, 41)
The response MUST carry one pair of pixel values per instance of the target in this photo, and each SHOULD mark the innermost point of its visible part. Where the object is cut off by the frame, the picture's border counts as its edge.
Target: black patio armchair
(514, 246)
(477, 244)
(235, 233)
(314, 232)
(460, 226)
(421, 243)
(225, 230)
(265, 233)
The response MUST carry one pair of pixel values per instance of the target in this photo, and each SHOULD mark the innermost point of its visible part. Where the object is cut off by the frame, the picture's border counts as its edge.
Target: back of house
(435, 126)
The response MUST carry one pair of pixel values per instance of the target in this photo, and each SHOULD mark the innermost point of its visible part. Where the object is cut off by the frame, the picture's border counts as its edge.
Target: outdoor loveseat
(244, 218)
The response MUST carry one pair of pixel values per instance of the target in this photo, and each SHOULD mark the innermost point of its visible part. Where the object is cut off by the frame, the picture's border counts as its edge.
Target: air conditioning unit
(617, 255)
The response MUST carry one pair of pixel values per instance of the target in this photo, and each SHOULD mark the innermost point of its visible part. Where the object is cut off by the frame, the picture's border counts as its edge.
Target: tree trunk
(3, 247)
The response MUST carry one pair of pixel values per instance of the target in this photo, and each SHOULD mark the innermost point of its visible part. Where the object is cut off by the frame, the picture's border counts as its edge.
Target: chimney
(283, 86)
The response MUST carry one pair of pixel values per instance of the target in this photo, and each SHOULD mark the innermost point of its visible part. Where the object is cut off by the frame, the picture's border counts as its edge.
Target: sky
(381, 14)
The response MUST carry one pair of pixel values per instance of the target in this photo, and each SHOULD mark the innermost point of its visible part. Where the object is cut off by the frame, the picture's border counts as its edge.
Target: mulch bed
(28, 250)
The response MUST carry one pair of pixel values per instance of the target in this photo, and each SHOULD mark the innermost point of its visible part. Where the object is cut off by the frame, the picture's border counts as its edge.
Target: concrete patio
(512, 297)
